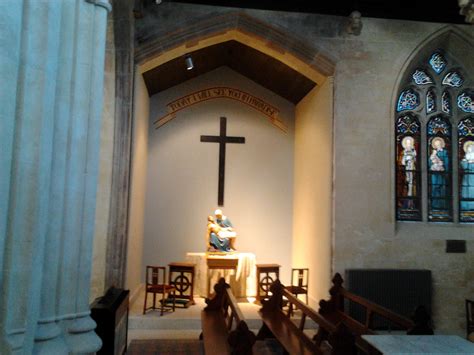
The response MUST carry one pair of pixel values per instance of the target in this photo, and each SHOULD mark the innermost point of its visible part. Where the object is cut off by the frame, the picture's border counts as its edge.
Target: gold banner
(222, 92)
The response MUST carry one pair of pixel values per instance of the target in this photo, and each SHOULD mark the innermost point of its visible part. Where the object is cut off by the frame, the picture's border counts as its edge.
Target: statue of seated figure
(220, 233)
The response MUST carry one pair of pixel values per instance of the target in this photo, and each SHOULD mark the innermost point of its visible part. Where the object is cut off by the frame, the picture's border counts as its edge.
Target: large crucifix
(222, 139)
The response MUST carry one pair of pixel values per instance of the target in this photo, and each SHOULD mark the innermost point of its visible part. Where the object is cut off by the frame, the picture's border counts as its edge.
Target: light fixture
(189, 62)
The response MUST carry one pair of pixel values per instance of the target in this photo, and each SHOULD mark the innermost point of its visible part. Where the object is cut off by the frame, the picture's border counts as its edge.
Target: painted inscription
(256, 103)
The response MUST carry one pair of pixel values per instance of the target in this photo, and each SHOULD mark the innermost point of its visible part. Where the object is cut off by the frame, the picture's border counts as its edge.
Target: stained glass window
(466, 169)
(430, 101)
(437, 62)
(430, 112)
(446, 102)
(421, 78)
(466, 102)
(408, 168)
(439, 169)
(453, 79)
(408, 100)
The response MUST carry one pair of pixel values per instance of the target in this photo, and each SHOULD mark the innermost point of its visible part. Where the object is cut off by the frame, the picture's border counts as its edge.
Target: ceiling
(414, 10)
(255, 65)
(271, 73)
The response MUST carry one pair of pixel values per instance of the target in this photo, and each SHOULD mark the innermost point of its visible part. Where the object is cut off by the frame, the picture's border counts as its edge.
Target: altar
(237, 268)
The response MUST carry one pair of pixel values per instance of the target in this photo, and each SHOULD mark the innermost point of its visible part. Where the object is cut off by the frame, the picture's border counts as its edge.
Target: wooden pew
(224, 330)
(334, 312)
(290, 332)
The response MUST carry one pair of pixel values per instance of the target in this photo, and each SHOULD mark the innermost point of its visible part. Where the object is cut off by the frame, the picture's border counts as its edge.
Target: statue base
(220, 252)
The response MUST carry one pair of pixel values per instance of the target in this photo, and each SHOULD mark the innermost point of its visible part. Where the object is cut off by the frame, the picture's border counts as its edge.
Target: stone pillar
(51, 65)
(117, 234)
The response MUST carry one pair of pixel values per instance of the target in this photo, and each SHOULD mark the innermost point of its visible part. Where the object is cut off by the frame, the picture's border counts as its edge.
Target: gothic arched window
(408, 168)
(466, 169)
(430, 113)
(438, 132)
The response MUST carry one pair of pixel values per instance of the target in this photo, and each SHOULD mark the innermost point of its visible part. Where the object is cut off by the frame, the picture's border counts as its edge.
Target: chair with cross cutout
(266, 275)
(155, 283)
(299, 282)
(181, 276)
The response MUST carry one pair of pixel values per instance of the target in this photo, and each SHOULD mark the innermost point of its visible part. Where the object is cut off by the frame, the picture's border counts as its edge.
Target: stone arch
(450, 37)
(160, 47)
(308, 60)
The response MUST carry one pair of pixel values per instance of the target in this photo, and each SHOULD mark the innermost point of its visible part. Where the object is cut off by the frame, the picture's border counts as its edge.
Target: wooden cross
(222, 139)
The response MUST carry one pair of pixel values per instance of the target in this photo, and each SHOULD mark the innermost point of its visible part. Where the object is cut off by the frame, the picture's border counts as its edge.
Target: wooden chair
(299, 282)
(267, 274)
(156, 283)
(181, 276)
(470, 320)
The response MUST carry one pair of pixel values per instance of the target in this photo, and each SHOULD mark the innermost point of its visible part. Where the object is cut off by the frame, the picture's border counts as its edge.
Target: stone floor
(184, 323)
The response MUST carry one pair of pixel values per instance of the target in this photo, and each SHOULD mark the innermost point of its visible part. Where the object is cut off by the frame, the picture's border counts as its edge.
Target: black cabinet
(110, 312)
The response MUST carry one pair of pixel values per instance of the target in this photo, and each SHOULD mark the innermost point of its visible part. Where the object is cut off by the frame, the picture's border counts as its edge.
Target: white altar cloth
(242, 281)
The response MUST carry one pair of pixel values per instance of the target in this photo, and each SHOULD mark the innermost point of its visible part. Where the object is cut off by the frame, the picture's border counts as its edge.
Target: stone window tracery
(434, 143)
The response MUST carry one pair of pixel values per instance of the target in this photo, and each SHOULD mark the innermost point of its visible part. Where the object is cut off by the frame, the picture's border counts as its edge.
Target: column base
(81, 337)
(48, 339)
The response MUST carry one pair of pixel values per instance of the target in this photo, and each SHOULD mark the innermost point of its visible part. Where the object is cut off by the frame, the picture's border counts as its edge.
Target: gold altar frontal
(238, 269)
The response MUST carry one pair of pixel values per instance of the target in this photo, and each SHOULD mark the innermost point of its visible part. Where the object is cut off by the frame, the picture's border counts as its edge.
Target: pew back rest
(306, 312)
(233, 314)
(334, 309)
(224, 330)
(372, 309)
(292, 332)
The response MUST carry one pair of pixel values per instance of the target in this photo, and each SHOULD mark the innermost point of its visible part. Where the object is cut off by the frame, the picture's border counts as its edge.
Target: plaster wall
(183, 174)
(368, 68)
(313, 189)
(105, 169)
(138, 185)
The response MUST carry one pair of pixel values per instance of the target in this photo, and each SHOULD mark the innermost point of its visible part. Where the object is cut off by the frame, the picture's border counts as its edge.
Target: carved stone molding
(467, 10)
(152, 44)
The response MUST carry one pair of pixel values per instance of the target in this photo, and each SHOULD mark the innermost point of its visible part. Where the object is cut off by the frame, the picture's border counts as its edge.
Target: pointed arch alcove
(309, 222)
(285, 47)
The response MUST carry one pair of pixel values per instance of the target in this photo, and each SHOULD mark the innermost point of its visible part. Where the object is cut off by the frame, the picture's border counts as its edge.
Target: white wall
(313, 189)
(137, 185)
(182, 175)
